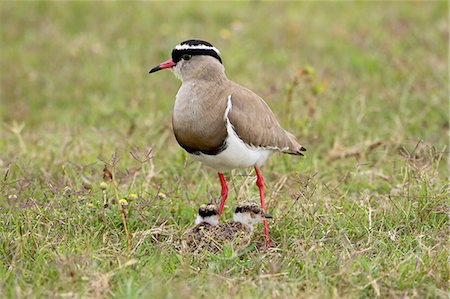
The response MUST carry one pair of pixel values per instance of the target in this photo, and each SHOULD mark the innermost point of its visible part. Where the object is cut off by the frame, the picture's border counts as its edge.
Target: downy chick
(239, 231)
(199, 237)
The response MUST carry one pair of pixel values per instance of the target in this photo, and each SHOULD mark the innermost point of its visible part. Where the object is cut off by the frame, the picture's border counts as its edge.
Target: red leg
(223, 193)
(260, 184)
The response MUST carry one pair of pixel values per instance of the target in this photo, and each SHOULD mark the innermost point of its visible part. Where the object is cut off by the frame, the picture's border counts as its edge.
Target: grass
(363, 85)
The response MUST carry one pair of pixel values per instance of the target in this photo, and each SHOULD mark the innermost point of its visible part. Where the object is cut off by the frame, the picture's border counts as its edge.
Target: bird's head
(208, 213)
(193, 59)
(249, 213)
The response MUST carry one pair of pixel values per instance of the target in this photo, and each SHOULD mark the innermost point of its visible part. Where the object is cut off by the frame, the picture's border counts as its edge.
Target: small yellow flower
(103, 185)
(162, 195)
(132, 196)
(123, 202)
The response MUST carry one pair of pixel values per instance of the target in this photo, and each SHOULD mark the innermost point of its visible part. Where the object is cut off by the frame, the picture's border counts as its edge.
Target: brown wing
(256, 124)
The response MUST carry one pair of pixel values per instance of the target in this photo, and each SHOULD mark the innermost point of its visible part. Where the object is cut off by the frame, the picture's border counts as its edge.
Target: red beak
(165, 65)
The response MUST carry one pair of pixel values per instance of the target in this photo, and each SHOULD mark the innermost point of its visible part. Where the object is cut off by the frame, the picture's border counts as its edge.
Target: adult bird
(222, 124)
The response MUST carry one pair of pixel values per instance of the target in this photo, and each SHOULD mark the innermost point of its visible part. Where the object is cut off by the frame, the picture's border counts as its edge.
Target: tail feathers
(294, 148)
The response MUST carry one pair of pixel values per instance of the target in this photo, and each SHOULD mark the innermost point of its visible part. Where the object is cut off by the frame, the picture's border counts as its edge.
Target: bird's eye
(186, 56)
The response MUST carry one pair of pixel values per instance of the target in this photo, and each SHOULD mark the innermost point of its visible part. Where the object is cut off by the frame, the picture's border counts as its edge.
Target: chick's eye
(186, 56)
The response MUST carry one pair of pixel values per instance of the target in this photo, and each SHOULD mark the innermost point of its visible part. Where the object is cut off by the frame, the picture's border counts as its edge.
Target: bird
(199, 236)
(221, 123)
(239, 231)
(212, 236)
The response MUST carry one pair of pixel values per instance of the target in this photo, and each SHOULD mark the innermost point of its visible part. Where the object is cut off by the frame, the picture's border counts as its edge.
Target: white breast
(237, 154)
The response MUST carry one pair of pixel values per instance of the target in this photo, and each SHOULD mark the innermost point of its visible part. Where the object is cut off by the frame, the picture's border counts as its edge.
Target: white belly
(236, 155)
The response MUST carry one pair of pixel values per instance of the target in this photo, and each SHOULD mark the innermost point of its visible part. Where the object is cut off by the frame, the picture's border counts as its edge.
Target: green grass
(363, 85)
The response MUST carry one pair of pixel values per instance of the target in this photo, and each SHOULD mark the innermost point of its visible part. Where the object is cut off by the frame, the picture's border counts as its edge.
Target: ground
(364, 86)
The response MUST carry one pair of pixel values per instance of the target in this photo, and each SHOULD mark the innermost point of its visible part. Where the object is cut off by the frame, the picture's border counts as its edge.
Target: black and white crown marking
(195, 47)
(248, 207)
(208, 210)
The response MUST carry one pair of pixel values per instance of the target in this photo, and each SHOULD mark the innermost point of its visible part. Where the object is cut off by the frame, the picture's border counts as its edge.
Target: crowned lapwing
(208, 235)
(198, 237)
(219, 122)
(239, 231)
